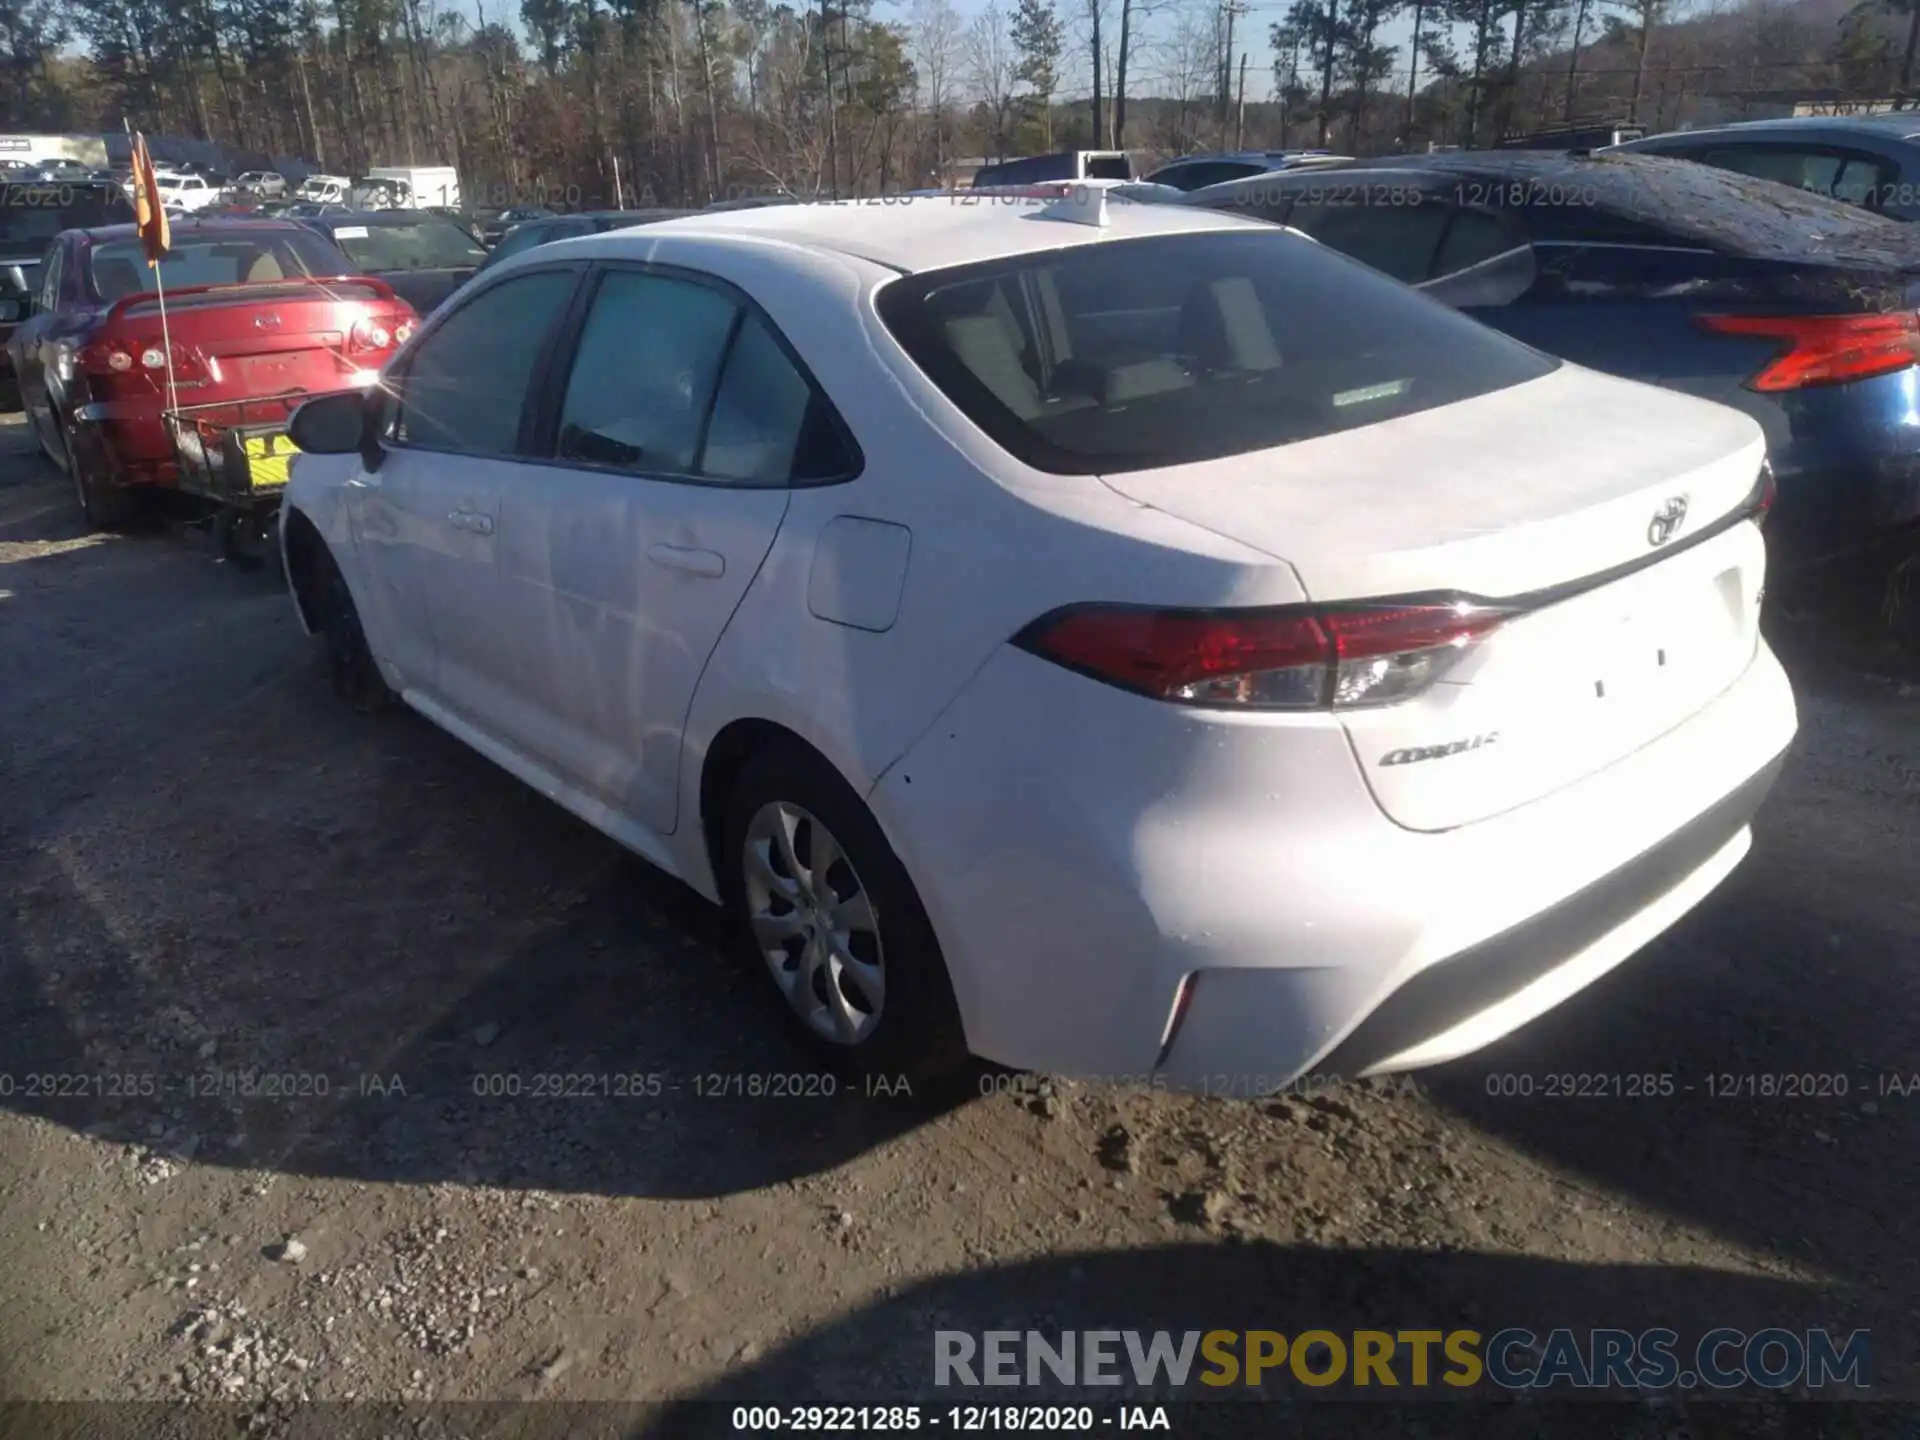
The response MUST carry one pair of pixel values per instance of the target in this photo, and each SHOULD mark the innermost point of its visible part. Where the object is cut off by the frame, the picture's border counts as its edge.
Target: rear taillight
(379, 334)
(369, 334)
(1335, 657)
(1826, 349)
(118, 357)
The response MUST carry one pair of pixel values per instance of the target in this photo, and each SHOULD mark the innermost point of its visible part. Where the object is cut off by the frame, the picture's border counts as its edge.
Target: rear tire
(843, 950)
(246, 537)
(105, 505)
(350, 664)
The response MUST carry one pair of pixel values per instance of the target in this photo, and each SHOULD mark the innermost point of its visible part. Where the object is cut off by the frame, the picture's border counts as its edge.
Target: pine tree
(1038, 39)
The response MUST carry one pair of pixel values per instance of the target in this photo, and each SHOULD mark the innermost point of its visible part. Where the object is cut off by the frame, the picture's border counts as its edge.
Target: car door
(32, 342)
(676, 428)
(425, 516)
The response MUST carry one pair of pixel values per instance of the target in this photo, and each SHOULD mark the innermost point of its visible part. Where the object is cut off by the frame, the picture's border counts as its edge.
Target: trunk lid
(1550, 494)
(252, 341)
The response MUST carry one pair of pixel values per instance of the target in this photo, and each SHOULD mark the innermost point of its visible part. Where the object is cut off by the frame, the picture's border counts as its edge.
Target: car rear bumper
(1084, 855)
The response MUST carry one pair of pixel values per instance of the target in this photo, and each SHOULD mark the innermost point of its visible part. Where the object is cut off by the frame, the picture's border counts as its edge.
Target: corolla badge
(1667, 521)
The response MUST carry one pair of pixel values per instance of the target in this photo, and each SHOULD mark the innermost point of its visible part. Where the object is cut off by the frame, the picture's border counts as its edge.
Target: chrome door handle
(706, 563)
(471, 520)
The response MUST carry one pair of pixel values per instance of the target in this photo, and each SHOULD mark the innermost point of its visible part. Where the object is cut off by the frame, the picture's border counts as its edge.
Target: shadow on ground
(214, 871)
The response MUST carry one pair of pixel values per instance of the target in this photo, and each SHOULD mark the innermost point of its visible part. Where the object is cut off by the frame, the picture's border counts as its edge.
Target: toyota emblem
(1667, 521)
(266, 322)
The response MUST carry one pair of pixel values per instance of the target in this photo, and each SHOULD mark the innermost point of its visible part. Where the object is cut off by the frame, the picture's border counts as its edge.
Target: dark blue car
(1799, 310)
(1867, 160)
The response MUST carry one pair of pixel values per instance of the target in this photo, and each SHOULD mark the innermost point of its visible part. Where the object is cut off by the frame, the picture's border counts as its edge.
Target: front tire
(823, 910)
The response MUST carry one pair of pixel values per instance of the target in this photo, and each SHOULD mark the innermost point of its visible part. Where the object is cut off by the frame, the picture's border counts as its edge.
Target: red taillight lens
(369, 334)
(107, 355)
(1285, 659)
(1826, 349)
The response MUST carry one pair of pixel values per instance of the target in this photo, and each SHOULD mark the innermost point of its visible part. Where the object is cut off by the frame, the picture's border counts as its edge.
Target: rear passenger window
(1841, 176)
(676, 378)
(769, 425)
(1474, 237)
(1397, 240)
(643, 376)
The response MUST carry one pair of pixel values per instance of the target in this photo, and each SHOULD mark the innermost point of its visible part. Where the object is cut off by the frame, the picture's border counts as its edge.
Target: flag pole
(166, 338)
(152, 195)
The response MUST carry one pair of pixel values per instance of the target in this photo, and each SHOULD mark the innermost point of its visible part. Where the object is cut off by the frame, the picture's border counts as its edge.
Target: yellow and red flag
(156, 235)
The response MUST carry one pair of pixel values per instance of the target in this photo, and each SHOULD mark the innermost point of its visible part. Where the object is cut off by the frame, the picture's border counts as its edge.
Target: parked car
(1867, 160)
(1194, 172)
(323, 189)
(424, 257)
(500, 224)
(254, 308)
(186, 193)
(1375, 694)
(466, 219)
(1796, 310)
(565, 227)
(1063, 165)
(262, 182)
(308, 209)
(31, 216)
(63, 170)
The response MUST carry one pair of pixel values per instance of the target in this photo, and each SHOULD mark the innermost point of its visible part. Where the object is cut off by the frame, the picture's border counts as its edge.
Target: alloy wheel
(814, 923)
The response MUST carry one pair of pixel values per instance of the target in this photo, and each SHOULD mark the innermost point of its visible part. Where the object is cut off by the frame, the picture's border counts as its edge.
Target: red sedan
(255, 309)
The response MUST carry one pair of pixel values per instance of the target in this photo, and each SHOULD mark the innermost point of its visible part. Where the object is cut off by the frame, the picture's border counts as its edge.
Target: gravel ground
(208, 866)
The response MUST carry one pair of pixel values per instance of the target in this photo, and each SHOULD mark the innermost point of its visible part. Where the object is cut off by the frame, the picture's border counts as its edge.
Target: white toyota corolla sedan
(1116, 640)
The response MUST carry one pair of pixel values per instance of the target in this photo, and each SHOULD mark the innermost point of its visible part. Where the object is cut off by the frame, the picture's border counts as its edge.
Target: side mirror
(12, 311)
(334, 424)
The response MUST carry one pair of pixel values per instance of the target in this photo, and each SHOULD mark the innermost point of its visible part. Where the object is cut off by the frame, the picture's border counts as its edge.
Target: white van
(417, 187)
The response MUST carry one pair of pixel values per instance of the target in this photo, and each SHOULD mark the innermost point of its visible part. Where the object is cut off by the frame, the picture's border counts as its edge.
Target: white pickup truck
(186, 193)
(324, 189)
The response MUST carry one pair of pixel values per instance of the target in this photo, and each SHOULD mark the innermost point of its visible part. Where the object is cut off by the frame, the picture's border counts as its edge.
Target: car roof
(1888, 125)
(375, 217)
(917, 234)
(1719, 209)
(1249, 157)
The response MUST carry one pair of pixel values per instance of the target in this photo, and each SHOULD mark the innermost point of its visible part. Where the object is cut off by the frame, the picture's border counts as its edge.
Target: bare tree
(936, 32)
(990, 61)
(1189, 59)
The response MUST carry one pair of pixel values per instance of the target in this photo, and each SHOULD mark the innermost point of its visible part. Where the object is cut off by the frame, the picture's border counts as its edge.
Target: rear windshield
(31, 215)
(1026, 172)
(1135, 354)
(427, 244)
(233, 258)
